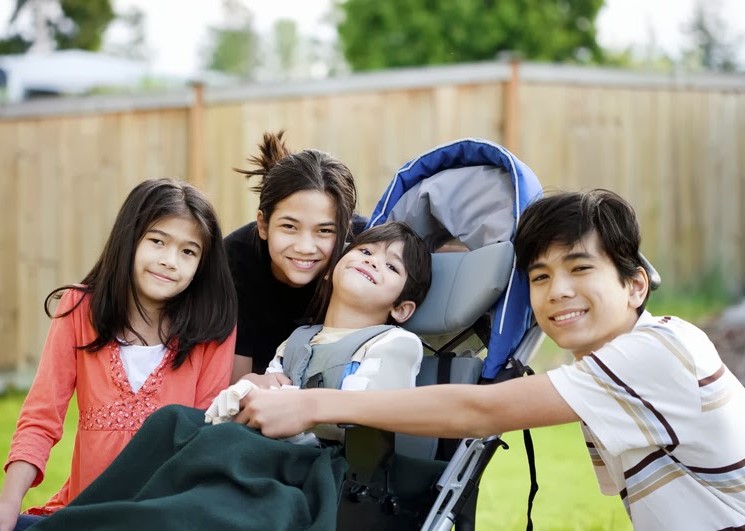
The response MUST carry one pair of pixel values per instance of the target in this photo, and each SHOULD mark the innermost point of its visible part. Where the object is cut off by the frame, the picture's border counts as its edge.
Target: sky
(177, 29)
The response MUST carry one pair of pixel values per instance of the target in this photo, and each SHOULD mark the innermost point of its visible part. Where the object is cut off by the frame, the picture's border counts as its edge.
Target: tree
(713, 46)
(234, 47)
(68, 23)
(388, 33)
(135, 46)
(286, 41)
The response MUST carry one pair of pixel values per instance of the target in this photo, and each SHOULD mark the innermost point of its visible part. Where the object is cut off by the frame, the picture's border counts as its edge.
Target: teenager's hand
(277, 413)
(268, 380)
(8, 514)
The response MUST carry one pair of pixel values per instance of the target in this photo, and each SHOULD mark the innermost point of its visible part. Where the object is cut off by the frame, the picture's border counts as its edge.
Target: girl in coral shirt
(153, 323)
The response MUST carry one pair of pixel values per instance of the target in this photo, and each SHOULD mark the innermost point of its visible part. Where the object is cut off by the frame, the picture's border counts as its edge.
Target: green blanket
(179, 473)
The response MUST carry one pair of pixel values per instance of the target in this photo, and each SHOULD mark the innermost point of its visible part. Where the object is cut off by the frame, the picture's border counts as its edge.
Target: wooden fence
(674, 146)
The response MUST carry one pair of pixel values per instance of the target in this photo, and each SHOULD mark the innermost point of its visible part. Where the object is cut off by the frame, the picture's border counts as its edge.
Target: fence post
(511, 107)
(195, 139)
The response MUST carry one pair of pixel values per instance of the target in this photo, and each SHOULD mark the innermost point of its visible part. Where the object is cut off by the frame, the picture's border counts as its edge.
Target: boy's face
(373, 273)
(578, 298)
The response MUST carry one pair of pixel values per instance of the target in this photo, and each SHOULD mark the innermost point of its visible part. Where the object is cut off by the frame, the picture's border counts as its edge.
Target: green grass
(58, 467)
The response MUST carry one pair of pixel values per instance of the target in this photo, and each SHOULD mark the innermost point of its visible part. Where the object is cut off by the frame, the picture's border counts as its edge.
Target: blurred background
(645, 97)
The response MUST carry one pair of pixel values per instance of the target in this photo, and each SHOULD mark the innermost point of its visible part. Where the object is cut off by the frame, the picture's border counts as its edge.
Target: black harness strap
(445, 447)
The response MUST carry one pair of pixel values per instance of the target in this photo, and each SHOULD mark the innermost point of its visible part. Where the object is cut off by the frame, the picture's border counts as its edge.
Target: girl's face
(166, 259)
(301, 235)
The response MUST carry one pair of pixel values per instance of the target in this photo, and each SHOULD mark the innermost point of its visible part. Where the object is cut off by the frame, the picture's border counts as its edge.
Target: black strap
(533, 480)
(525, 370)
(445, 447)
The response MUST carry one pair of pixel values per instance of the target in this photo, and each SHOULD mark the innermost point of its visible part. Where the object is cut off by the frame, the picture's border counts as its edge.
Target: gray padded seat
(465, 285)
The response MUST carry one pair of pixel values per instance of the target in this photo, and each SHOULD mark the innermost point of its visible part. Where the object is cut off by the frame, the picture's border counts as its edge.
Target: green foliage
(14, 44)
(286, 40)
(713, 46)
(81, 25)
(389, 33)
(84, 24)
(234, 46)
(233, 51)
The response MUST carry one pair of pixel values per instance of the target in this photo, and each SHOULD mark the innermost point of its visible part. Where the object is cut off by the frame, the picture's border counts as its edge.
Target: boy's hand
(277, 413)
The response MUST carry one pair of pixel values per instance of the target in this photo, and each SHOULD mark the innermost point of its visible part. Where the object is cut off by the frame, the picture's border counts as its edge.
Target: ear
(403, 311)
(262, 225)
(638, 288)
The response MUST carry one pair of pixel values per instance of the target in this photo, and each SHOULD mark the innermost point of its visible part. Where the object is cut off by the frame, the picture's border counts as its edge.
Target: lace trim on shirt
(131, 409)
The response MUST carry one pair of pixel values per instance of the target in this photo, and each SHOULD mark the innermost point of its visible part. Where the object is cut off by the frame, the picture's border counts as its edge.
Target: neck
(341, 315)
(147, 328)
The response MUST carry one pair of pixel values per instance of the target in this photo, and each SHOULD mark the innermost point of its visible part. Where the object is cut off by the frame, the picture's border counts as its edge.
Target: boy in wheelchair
(661, 414)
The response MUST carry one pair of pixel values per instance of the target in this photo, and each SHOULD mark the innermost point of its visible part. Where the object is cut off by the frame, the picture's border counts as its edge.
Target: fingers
(227, 403)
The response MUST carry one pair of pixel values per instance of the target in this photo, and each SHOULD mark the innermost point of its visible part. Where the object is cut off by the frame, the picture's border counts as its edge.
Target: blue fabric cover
(513, 315)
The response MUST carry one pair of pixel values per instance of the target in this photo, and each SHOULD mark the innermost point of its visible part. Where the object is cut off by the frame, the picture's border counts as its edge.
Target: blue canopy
(512, 316)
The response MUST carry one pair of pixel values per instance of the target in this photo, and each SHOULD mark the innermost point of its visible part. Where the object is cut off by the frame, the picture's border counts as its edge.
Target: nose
(168, 258)
(371, 261)
(561, 288)
(306, 243)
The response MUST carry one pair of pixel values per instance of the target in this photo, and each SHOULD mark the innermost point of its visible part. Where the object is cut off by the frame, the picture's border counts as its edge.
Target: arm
(273, 377)
(242, 366)
(216, 370)
(19, 477)
(436, 410)
(41, 419)
(391, 361)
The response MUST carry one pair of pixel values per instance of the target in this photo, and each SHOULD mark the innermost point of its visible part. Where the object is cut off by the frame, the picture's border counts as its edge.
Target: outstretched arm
(19, 477)
(437, 410)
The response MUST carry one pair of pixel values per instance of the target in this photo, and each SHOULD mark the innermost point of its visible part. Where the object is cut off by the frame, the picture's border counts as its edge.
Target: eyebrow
(166, 235)
(579, 255)
(397, 257)
(322, 224)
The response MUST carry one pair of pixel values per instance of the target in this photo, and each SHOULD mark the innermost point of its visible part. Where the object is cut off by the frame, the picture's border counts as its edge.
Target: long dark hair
(205, 311)
(284, 173)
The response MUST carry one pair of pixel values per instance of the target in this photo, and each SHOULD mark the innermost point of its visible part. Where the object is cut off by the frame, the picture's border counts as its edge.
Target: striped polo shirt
(664, 422)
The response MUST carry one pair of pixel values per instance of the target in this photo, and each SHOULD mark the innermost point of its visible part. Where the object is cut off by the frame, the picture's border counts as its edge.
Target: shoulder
(667, 343)
(74, 300)
(396, 337)
(242, 236)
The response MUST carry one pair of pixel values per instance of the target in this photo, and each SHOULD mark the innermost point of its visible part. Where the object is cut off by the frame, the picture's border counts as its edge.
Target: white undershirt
(139, 362)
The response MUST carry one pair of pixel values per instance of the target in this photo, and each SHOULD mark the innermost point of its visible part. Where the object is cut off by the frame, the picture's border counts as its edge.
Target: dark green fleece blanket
(180, 473)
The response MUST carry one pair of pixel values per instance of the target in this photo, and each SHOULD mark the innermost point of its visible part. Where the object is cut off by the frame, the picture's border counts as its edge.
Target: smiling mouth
(304, 264)
(162, 278)
(566, 316)
(364, 274)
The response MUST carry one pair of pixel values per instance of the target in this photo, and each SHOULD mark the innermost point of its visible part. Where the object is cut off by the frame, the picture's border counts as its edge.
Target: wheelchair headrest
(464, 286)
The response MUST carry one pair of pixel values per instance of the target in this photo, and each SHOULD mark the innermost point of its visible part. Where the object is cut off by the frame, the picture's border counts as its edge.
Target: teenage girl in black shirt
(278, 262)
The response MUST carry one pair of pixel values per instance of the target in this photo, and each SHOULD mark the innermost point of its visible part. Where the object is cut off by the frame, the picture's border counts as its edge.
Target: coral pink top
(110, 413)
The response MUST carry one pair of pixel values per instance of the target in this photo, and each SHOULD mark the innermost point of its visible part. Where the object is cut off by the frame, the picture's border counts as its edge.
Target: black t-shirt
(268, 310)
